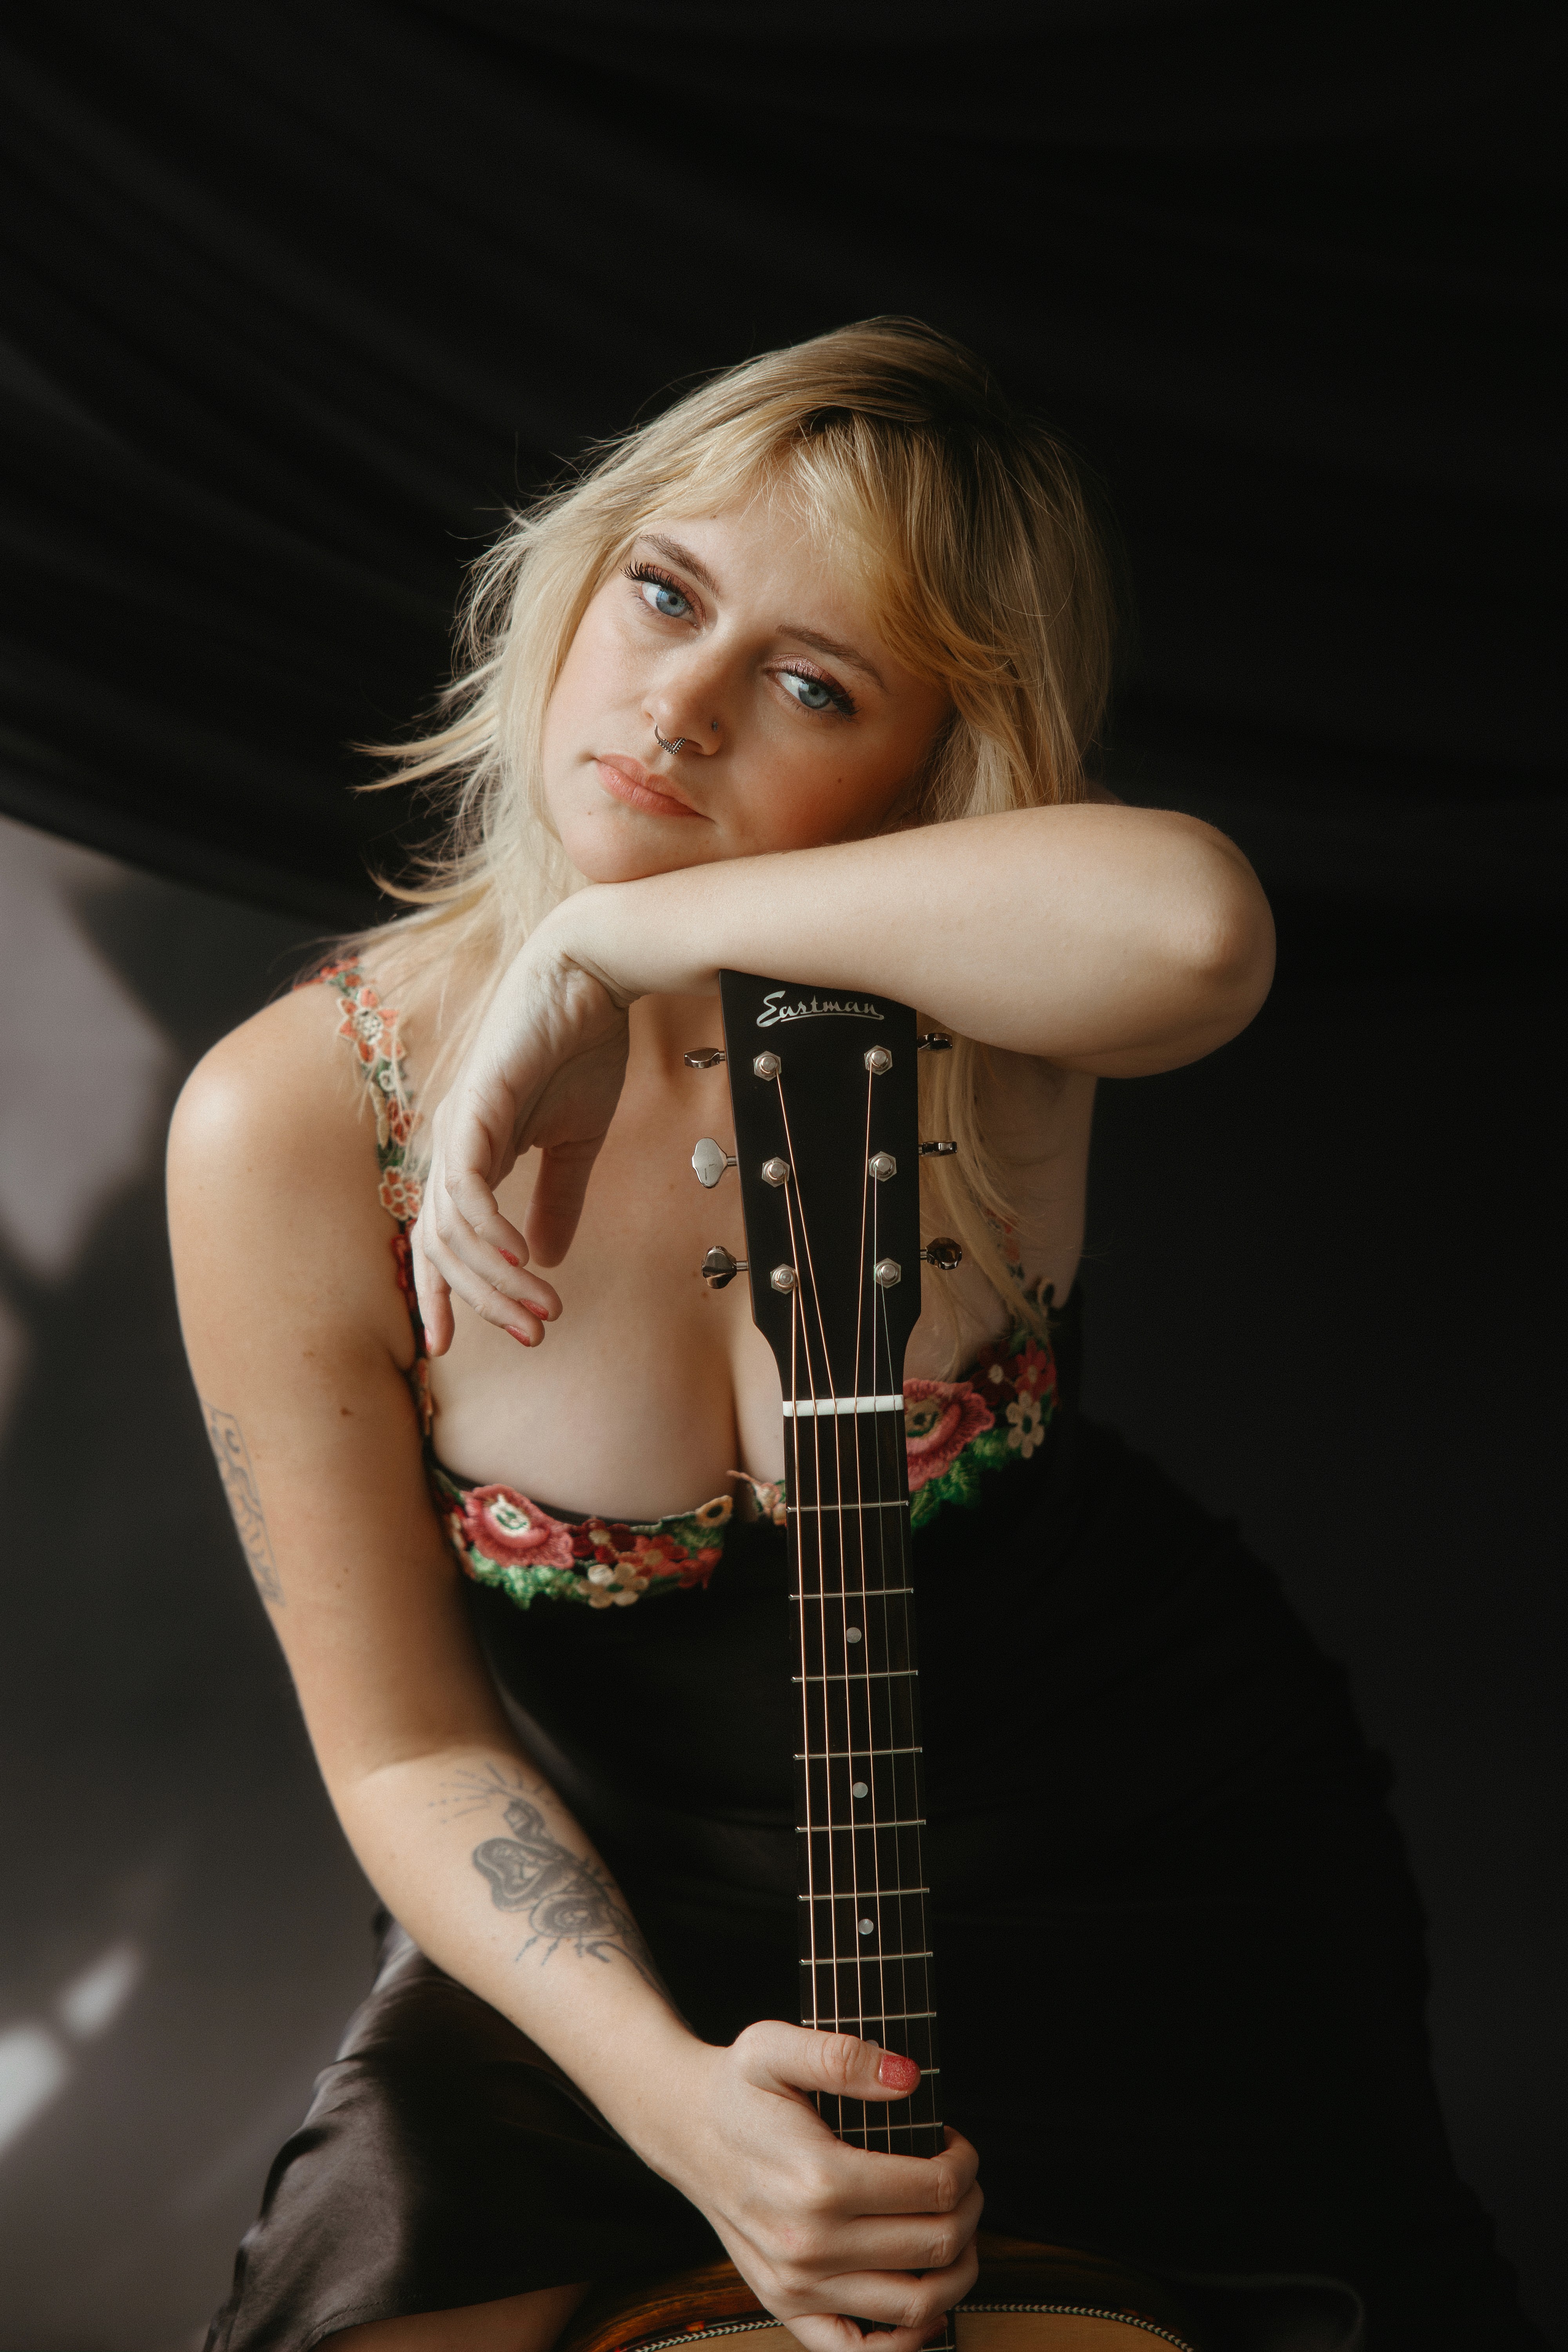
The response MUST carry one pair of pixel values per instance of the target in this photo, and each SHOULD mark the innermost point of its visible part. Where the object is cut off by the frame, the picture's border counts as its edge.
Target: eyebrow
(831, 646)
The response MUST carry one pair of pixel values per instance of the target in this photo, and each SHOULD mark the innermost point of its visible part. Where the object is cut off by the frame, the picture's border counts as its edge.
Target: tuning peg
(718, 1267)
(933, 1041)
(944, 1253)
(938, 1151)
(710, 1160)
(706, 1057)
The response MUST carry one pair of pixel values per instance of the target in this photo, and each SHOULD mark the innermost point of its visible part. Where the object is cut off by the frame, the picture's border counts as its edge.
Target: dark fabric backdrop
(298, 298)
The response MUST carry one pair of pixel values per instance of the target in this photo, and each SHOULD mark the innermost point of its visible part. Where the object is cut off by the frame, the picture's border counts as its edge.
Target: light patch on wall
(82, 1065)
(33, 2071)
(95, 1998)
(35, 2063)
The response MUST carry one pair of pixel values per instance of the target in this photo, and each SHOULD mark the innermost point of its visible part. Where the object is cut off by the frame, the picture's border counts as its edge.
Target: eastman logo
(820, 1008)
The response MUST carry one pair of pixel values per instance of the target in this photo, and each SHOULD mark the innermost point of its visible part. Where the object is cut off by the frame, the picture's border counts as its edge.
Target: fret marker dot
(859, 1789)
(852, 1634)
(863, 1925)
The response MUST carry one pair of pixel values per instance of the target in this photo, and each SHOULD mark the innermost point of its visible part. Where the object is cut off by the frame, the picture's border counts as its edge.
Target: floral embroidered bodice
(957, 1432)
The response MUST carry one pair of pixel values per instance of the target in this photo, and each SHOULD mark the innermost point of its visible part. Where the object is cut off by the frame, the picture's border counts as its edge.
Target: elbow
(1224, 952)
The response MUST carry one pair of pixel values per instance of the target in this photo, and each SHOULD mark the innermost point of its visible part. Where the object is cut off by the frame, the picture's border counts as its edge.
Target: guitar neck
(866, 1963)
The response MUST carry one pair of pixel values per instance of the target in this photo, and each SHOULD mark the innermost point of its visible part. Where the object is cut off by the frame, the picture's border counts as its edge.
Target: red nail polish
(520, 1337)
(509, 1259)
(896, 2074)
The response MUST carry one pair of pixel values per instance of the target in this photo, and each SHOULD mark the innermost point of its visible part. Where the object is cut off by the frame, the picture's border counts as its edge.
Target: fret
(857, 1592)
(826, 1755)
(872, 1894)
(847, 1509)
(855, 1829)
(868, 1959)
(860, 1674)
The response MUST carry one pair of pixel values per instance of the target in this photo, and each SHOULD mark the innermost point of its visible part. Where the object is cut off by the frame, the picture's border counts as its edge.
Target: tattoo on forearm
(564, 1897)
(239, 1485)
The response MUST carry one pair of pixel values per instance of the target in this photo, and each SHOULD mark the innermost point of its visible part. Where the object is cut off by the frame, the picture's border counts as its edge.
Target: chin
(625, 861)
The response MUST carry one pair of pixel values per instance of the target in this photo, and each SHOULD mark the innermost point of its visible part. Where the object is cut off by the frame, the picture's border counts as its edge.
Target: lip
(627, 779)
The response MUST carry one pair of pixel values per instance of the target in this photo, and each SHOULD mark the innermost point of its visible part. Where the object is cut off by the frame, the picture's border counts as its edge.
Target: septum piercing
(668, 747)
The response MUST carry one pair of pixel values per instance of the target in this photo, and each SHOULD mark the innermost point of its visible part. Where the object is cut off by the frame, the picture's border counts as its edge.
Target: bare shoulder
(281, 1080)
(272, 1163)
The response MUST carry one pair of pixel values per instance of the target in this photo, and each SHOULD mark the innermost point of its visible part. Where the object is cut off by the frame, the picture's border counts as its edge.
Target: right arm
(298, 1338)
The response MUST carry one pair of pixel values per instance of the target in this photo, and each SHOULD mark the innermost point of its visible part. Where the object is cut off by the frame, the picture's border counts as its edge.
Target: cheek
(834, 800)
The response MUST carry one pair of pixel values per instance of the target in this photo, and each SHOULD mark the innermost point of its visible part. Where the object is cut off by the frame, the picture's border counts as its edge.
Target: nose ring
(663, 745)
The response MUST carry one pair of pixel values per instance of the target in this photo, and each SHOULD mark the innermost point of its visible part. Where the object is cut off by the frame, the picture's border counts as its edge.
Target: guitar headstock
(824, 1095)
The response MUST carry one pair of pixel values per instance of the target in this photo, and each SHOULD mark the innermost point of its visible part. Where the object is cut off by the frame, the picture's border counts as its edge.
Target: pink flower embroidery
(512, 1531)
(939, 1419)
(400, 1194)
(370, 1026)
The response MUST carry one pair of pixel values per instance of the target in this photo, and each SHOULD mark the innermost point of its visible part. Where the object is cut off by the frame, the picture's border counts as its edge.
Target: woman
(798, 679)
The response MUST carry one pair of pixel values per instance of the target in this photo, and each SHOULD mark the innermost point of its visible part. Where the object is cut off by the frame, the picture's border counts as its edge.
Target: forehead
(756, 551)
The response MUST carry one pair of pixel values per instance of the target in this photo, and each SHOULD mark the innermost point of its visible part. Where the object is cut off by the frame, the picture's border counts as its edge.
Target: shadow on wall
(1314, 1291)
(184, 1929)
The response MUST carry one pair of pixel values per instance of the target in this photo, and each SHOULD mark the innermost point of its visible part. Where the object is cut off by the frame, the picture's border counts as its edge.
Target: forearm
(493, 1878)
(1096, 936)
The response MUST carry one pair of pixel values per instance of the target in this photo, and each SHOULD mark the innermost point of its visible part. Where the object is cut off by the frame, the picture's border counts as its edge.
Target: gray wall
(1317, 1290)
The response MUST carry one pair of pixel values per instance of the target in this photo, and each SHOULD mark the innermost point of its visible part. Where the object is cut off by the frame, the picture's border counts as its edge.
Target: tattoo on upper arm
(564, 1897)
(239, 1485)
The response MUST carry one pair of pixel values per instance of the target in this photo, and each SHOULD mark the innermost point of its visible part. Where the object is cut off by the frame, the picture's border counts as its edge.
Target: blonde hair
(969, 528)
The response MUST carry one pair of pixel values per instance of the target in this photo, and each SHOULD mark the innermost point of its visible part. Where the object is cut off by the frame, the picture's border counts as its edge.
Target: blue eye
(661, 595)
(814, 693)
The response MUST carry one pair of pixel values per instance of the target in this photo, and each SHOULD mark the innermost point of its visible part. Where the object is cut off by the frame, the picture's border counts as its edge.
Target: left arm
(1112, 940)
(1105, 938)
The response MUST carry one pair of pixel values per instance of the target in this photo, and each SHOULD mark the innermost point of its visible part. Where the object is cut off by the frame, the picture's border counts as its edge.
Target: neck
(865, 1949)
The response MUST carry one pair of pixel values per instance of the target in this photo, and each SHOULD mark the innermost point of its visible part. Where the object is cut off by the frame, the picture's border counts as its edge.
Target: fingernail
(896, 2074)
(520, 1337)
(509, 1259)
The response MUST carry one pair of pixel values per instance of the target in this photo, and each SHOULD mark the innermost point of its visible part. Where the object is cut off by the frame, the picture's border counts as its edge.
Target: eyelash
(843, 702)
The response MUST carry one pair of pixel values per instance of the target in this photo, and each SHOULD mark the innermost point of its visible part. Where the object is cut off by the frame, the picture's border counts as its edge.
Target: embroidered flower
(506, 1527)
(400, 1194)
(716, 1513)
(941, 1418)
(1033, 1372)
(1027, 1417)
(770, 1495)
(370, 1026)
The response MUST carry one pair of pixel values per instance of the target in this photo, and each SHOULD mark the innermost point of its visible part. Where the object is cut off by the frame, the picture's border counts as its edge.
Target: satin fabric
(1179, 1951)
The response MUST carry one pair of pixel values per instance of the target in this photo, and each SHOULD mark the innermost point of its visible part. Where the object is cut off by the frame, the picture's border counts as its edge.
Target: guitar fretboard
(866, 1959)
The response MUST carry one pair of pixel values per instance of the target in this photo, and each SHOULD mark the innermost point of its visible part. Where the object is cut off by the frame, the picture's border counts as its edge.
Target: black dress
(1179, 1951)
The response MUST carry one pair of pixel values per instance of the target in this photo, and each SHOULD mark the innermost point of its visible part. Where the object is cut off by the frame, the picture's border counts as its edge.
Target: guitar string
(800, 1246)
(923, 1941)
(805, 1250)
(871, 1205)
(798, 1531)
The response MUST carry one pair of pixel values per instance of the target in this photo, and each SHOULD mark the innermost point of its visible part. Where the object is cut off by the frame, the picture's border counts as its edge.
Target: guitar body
(1028, 2298)
(824, 1098)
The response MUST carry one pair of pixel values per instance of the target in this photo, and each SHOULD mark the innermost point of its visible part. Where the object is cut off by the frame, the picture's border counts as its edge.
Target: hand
(545, 1071)
(822, 2233)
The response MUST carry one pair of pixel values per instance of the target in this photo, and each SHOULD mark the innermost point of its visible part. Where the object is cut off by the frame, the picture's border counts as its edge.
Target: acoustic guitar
(823, 1091)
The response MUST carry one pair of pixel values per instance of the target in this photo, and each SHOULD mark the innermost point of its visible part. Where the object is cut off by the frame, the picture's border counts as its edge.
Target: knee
(518, 2323)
